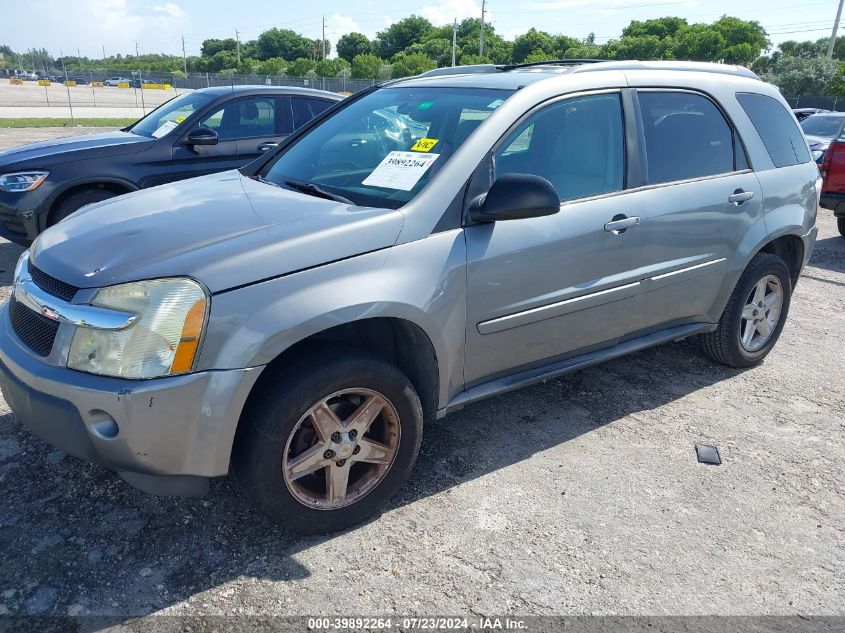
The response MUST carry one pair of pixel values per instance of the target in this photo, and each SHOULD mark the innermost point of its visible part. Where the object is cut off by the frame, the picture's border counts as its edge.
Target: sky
(89, 26)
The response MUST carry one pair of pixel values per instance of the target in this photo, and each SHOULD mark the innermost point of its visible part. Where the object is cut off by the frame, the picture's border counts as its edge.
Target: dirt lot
(578, 496)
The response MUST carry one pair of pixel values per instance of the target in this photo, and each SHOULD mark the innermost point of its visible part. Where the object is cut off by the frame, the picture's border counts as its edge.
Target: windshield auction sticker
(400, 170)
(424, 145)
(164, 128)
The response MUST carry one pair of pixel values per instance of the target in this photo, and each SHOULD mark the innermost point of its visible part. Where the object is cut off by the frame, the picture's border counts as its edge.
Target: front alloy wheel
(327, 439)
(341, 448)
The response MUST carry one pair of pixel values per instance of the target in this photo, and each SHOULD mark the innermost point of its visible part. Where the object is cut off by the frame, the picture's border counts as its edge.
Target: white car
(114, 81)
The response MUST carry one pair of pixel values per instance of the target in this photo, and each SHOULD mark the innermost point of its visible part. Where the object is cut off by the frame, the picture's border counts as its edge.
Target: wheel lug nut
(335, 437)
(340, 462)
(353, 434)
(356, 450)
(328, 454)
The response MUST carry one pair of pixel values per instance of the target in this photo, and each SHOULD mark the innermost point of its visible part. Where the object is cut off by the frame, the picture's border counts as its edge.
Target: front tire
(76, 201)
(328, 440)
(755, 315)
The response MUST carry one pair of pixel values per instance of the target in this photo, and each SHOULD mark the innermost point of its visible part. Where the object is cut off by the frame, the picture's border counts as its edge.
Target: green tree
(639, 47)
(352, 44)
(213, 46)
(801, 76)
(272, 66)
(282, 43)
(222, 61)
(301, 66)
(744, 40)
(532, 42)
(330, 67)
(366, 66)
(699, 42)
(400, 35)
(660, 27)
(404, 65)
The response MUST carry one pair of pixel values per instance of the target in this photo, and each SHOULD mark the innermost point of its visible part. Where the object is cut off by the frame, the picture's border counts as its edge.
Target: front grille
(37, 331)
(51, 285)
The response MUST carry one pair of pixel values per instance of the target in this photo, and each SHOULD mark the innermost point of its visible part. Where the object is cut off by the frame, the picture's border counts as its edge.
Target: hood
(224, 230)
(818, 142)
(102, 144)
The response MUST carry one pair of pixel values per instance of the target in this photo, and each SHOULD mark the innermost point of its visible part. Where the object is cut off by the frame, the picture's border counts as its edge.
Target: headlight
(163, 341)
(22, 181)
(817, 154)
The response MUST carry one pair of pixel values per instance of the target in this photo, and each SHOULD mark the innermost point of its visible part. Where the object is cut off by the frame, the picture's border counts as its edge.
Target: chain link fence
(100, 94)
(835, 104)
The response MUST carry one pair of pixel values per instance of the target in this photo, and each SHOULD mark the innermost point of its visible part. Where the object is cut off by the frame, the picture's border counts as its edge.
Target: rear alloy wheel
(755, 314)
(328, 439)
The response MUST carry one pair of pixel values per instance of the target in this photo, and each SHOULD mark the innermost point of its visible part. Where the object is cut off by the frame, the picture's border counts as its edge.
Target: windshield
(824, 126)
(384, 148)
(168, 116)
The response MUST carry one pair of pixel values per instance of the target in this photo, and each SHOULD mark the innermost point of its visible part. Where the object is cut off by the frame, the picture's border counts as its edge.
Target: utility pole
(238, 44)
(67, 87)
(832, 42)
(105, 63)
(481, 39)
(324, 36)
(184, 56)
(454, 39)
(137, 54)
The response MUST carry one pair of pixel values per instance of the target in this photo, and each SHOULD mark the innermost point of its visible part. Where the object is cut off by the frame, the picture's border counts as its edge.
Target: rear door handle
(739, 196)
(620, 223)
(266, 146)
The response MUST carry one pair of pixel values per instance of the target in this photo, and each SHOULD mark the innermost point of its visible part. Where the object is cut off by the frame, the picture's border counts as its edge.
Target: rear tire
(748, 331)
(76, 201)
(840, 224)
(297, 413)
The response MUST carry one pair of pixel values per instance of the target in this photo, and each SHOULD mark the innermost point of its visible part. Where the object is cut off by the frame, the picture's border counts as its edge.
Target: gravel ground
(581, 495)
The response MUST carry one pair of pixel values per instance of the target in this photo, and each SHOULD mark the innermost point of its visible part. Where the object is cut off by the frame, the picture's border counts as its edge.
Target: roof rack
(552, 62)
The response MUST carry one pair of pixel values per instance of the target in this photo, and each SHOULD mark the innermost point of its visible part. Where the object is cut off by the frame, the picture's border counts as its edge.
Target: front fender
(421, 282)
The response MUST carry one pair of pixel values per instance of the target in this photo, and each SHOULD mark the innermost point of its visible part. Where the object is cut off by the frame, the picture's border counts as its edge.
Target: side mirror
(517, 196)
(202, 136)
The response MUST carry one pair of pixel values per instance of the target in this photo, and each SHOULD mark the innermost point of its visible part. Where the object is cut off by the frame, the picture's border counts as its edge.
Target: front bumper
(165, 436)
(19, 219)
(834, 202)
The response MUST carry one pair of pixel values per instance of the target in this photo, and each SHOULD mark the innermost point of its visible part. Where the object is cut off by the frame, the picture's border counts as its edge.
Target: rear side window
(686, 136)
(777, 127)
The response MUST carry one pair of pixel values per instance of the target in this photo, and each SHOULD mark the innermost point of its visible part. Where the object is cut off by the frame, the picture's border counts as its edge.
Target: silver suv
(418, 247)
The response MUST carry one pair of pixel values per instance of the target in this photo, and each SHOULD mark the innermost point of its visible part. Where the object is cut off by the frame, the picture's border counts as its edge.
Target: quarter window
(576, 144)
(305, 109)
(777, 127)
(686, 136)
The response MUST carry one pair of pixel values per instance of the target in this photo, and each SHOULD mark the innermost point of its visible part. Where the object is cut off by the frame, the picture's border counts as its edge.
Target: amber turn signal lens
(189, 341)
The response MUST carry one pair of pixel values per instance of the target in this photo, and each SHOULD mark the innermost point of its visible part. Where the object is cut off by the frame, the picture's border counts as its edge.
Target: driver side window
(576, 144)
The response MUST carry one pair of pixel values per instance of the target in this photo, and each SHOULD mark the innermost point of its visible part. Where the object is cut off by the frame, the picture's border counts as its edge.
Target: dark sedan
(197, 133)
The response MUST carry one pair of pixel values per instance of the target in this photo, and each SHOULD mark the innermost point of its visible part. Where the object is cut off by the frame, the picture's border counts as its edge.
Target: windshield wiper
(313, 190)
(264, 180)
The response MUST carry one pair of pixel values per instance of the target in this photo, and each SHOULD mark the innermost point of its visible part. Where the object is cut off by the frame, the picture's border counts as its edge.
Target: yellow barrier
(16, 82)
(70, 83)
(44, 82)
(123, 84)
(156, 86)
(97, 84)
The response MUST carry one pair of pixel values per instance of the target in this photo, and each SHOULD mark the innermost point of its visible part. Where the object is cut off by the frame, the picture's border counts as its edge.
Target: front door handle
(266, 146)
(620, 223)
(739, 196)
